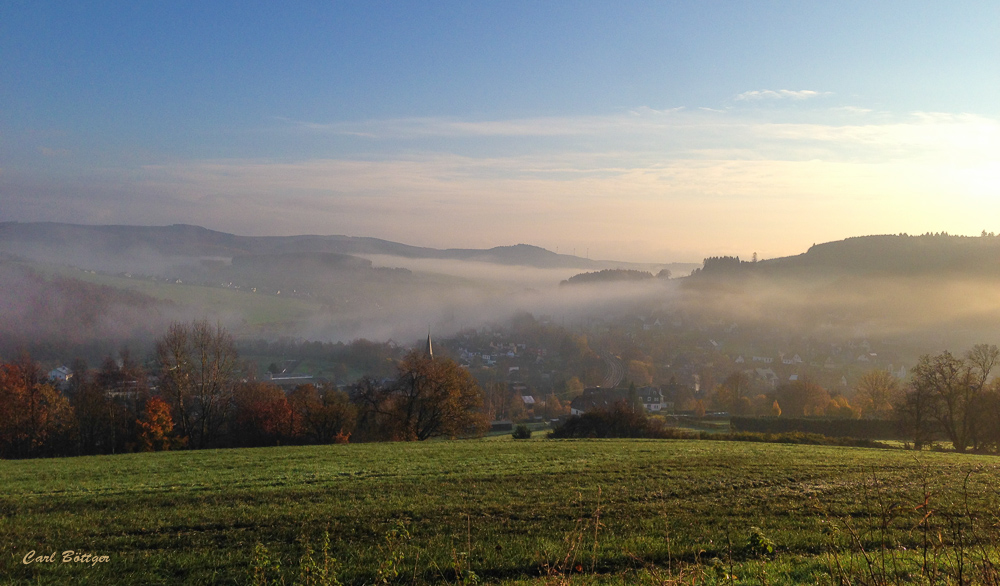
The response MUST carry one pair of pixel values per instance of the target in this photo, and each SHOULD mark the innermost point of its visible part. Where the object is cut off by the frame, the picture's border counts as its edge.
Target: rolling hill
(900, 255)
(100, 247)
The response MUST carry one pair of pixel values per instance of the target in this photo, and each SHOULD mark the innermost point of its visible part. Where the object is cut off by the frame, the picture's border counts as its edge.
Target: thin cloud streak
(679, 133)
(780, 95)
(630, 186)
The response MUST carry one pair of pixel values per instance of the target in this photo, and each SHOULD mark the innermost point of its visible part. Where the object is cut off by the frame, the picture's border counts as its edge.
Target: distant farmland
(500, 511)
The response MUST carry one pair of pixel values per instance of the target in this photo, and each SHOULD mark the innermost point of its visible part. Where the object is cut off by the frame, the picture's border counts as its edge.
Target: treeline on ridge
(896, 254)
(612, 275)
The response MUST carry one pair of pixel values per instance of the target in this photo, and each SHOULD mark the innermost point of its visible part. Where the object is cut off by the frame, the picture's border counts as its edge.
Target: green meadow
(503, 511)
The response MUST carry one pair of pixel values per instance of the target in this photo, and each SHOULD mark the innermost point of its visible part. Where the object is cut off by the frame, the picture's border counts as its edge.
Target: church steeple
(430, 347)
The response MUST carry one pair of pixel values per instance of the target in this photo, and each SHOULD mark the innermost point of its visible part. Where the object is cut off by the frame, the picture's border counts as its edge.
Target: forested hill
(608, 276)
(928, 254)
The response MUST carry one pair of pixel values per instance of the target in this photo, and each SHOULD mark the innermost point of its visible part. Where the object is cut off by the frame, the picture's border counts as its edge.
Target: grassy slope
(256, 309)
(194, 517)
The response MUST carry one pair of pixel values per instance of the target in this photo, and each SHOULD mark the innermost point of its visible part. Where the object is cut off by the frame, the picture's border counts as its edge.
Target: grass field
(501, 511)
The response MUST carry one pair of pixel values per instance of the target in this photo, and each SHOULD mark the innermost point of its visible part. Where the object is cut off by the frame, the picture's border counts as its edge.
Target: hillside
(897, 255)
(134, 247)
(609, 276)
(66, 311)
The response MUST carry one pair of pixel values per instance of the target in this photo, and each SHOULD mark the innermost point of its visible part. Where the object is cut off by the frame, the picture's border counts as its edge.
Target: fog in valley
(95, 292)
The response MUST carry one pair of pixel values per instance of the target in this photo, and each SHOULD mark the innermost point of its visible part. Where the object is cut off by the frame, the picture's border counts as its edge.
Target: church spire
(430, 347)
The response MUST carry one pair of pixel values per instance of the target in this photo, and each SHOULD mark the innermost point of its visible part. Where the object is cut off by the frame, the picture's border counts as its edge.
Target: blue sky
(652, 131)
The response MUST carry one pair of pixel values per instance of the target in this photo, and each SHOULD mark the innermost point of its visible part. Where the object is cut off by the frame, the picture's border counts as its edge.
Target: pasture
(503, 511)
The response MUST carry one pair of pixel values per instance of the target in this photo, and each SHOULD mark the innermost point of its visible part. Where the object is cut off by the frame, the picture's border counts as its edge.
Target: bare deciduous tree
(876, 393)
(953, 389)
(200, 370)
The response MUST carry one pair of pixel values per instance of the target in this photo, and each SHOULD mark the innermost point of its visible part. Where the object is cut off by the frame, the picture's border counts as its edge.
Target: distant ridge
(893, 254)
(74, 243)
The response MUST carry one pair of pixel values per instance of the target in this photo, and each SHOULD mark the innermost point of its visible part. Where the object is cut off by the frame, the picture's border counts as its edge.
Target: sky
(639, 131)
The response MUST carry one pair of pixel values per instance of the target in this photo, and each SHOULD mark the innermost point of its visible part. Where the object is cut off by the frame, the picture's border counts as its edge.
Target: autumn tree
(876, 393)
(262, 415)
(323, 414)
(35, 419)
(155, 427)
(638, 372)
(199, 372)
(496, 397)
(554, 408)
(733, 395)
(432, 397)
(802, 398)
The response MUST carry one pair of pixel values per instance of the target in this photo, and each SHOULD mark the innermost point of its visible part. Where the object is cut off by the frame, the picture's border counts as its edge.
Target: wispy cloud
(562, 126)
(780, 95)
(625, 184)
(50, 152)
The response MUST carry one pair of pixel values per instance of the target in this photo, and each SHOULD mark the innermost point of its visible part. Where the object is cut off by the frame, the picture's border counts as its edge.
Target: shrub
(758, 544)
(521, 432)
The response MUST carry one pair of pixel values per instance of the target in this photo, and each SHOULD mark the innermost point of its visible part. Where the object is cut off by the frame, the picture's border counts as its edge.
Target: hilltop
(896, 255)
(133, 247)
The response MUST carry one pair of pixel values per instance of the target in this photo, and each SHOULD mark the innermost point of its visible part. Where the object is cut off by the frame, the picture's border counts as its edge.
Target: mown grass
(542, 511)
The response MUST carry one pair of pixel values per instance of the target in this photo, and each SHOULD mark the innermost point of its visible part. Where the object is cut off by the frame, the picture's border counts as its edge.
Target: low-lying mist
(457, 295)
(401, 298)
(927, 311)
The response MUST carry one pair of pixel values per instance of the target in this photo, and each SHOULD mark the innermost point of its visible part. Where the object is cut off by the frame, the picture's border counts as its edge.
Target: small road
(616, 371)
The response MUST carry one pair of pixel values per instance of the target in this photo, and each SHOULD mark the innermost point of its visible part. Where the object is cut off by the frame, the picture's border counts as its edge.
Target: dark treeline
(856, 428)
(609, 275)
(624, 419)
(198, 393)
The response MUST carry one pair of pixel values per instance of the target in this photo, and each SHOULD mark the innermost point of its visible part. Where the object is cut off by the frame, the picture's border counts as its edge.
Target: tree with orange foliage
(155, 427)
(432, 397)
(802, 398)
(325, 415)
(263, 415)
(35, 420)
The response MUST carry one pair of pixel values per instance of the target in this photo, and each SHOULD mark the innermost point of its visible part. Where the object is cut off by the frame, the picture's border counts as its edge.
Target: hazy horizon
(648, 132)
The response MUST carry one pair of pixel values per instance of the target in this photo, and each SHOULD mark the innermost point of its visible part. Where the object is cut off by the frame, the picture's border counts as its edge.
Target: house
(653, 400)
(60, 375)
(598, 398)
(768, 376)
